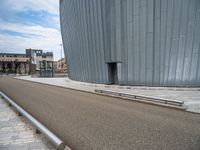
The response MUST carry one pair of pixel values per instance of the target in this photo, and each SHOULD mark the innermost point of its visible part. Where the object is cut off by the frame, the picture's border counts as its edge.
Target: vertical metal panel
(130, 39)
(124, 46)
(198, 63)
(83, 48)
(175, 41)
(163, 29)
(105, 41)
(95, 42)
(80, 41)
(195, 45)
(91, 41)
(108, 20)
(118, 29)
(156, 59)
(198, 69)
(112, 30)
(136, 47)
(86, 42)
(153, 42)
(170, 9)
(182, 41)
(102, 43)
(149, 46)
(99, 38)
(142, 41)
(188, 52)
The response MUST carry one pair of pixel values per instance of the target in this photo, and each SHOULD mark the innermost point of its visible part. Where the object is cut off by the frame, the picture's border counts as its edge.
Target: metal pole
(51, 136)
(61, 56)
(61, 50)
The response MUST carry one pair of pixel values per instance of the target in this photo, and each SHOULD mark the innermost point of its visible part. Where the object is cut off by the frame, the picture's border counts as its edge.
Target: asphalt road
(94, 122)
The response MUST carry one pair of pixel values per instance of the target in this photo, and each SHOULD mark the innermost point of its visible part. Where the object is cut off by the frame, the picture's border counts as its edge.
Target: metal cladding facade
(132, 42)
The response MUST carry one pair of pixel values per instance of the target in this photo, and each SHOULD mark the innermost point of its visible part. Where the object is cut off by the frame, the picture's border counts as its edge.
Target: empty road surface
(94, 122)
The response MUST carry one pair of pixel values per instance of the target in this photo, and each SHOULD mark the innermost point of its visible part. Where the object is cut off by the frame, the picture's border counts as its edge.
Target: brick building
(28, 63)
(14, 63)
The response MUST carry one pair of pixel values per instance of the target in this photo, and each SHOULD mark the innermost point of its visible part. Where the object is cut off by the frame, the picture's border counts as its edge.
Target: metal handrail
(60, 145)
(166, 101)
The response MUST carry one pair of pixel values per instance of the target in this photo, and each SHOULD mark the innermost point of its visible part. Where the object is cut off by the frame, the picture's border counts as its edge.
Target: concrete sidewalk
(17, 134)
(190, 96)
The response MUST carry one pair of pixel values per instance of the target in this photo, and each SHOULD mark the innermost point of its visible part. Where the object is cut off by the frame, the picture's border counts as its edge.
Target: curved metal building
(132, 42)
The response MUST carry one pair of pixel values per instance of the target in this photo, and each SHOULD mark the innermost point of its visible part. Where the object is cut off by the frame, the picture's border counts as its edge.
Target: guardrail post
(19, 114)
(37, 131)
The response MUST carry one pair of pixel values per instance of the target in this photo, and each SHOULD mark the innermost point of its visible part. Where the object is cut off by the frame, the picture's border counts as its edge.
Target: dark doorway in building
(9, 68)
(3, 68)
(112, 73)
(17, 68)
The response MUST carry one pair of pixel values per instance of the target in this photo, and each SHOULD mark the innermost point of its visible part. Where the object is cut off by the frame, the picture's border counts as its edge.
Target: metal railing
(60, 145)
(147, 98)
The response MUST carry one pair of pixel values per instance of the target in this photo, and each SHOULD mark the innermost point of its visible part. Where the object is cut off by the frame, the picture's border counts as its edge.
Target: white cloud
(51, 6)
(27, 29)
(34, 37)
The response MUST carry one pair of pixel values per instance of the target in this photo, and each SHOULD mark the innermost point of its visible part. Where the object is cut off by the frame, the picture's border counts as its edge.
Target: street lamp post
(61, 56)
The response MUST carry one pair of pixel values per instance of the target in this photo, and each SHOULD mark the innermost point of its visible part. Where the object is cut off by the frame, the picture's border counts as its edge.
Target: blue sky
(30, 24)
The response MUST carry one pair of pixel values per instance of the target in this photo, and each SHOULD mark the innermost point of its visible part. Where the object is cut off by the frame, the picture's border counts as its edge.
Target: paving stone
(18, 147)
(3, 148)
(16, 133)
